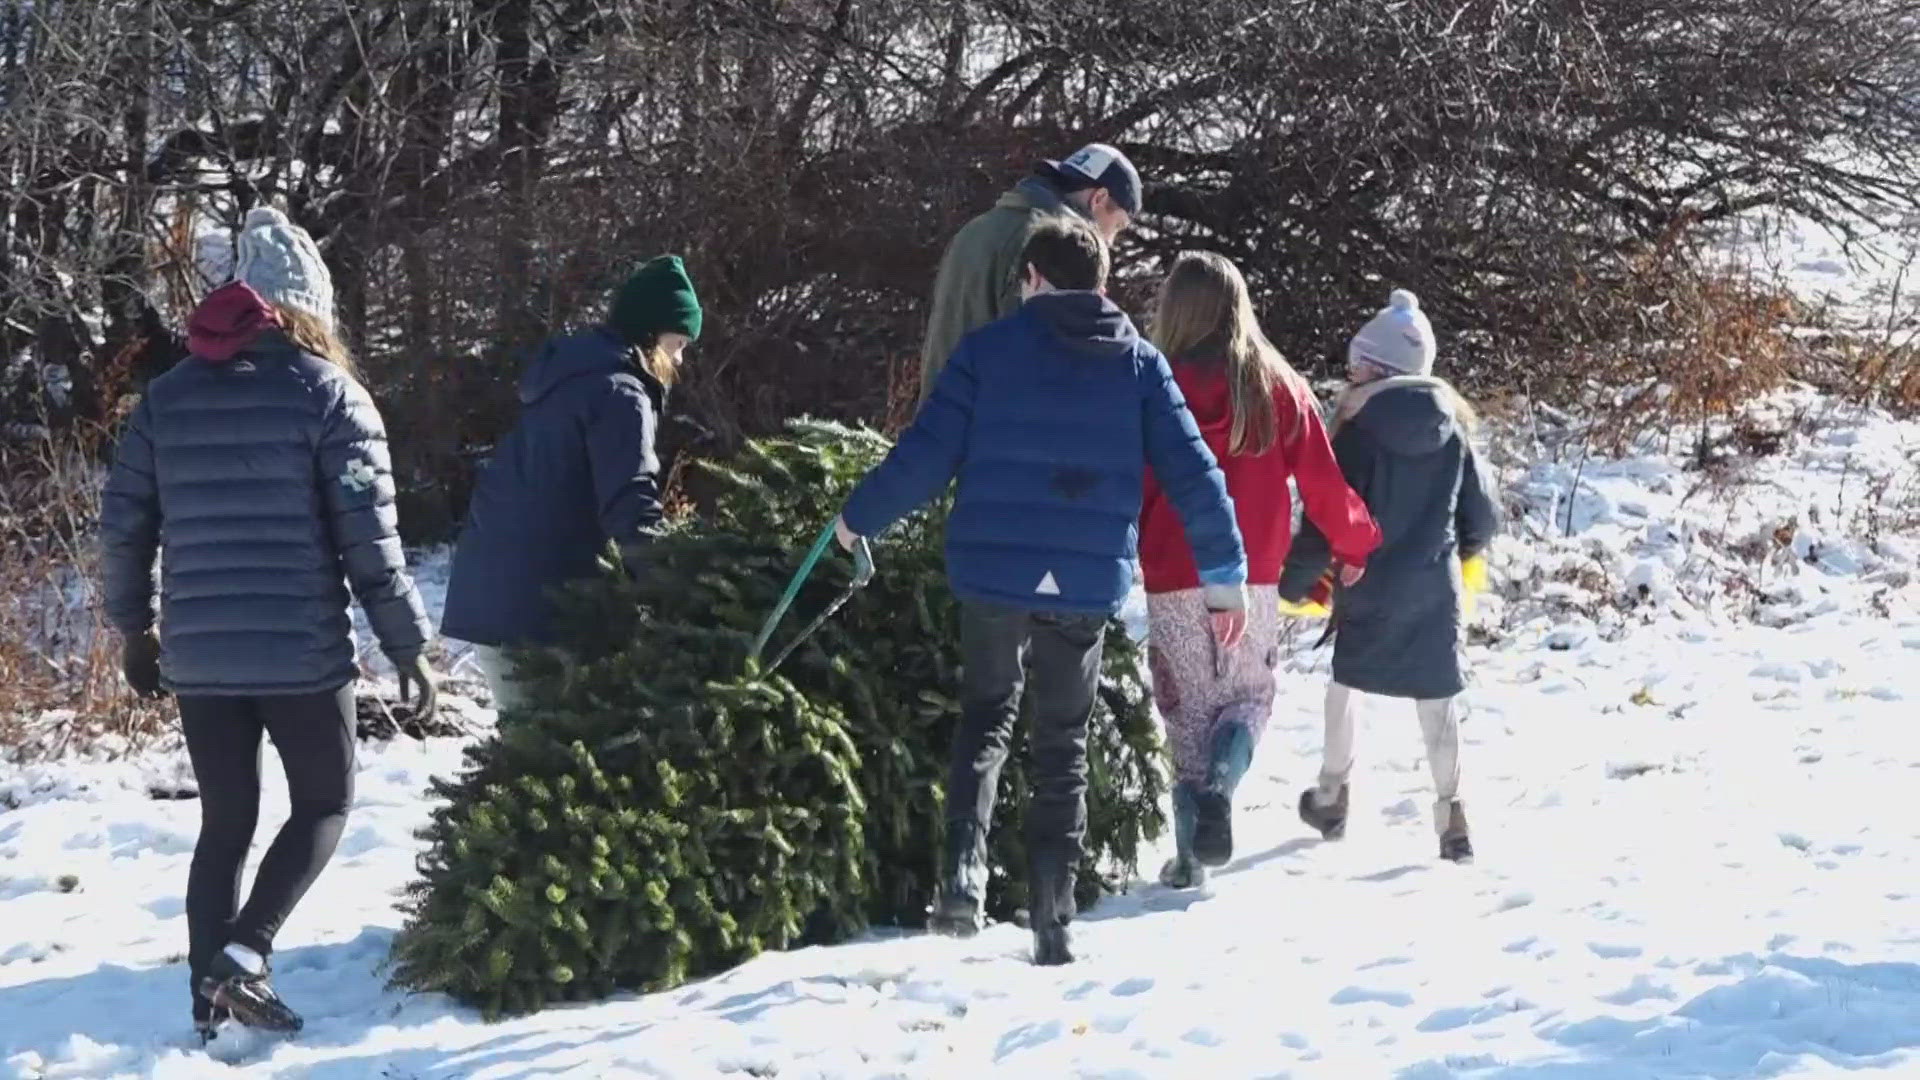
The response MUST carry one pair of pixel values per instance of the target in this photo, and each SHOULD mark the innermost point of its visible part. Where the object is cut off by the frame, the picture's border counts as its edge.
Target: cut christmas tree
(743, 812)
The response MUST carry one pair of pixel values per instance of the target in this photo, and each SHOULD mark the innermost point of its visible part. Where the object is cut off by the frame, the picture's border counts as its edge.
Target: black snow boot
(957, 907)
(248, 997)
(207, 1017)
(1050, 879)
(1329, 818)
(1452, 820)
(955, 914)
(1052, 946)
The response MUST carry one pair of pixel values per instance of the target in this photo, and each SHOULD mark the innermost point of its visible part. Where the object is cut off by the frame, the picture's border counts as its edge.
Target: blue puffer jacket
(1049, 418)
(576, 471)
(263, 481)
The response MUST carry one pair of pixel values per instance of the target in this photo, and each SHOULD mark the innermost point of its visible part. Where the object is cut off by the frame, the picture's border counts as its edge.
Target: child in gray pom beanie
(280, 261)
(1404, 441)
(1399, 339)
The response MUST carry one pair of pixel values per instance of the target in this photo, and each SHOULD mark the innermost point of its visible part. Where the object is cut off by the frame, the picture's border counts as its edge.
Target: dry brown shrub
(60, 683)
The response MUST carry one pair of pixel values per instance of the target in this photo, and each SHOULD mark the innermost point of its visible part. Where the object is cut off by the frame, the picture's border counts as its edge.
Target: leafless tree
(480, 171)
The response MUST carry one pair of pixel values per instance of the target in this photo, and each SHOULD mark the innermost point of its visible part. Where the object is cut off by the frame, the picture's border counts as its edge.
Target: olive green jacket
(979, 278)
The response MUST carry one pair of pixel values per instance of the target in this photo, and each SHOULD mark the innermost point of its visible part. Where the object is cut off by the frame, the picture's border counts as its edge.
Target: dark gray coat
(264, 485)
(1404, 450)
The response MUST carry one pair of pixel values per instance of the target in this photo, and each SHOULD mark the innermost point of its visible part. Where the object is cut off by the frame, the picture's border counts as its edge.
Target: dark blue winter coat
(577, 471)
(1403, 447)
(1049, 419)
(262, 481)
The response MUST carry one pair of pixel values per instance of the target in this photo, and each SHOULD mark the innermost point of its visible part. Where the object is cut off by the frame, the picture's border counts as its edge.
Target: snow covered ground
(1691, 753)
(1691, 756)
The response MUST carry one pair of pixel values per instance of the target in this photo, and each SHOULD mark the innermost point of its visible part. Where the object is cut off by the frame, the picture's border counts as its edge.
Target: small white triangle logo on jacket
(1047, 586)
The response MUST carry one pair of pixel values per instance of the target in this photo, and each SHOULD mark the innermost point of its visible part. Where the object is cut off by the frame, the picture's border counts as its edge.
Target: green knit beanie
(657, 299)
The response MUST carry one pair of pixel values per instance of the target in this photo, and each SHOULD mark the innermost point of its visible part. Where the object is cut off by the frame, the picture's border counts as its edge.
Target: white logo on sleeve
(1047, 586)
(358, 476)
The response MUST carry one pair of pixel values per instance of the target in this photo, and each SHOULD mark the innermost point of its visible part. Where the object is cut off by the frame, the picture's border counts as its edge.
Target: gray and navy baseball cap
(1098, 165)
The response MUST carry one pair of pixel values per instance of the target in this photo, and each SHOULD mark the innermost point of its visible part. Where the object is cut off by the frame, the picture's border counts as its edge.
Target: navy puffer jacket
(1404, 448)
(577, 471)
(263, 482)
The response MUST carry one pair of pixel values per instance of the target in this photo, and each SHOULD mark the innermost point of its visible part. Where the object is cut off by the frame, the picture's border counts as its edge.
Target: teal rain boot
(1231, 754)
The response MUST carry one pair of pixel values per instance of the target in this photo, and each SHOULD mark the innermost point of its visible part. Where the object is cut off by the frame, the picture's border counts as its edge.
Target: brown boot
(1450, 817)
(1329, 817)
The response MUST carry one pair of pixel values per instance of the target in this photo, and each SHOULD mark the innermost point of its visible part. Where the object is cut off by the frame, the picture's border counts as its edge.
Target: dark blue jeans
(1003, 650)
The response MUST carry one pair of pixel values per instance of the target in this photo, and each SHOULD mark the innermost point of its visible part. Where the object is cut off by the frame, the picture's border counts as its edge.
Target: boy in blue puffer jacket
(1049, 419)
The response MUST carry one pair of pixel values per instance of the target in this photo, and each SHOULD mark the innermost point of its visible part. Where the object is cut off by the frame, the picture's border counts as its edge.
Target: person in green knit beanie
(657, 298)
(577, 470)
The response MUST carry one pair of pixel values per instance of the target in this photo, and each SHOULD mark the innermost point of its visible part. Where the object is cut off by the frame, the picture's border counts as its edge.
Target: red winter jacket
(1258, 485)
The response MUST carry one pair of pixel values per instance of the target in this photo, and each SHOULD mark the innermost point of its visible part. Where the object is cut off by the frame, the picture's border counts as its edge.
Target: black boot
(1330, 818)
(1051, 881)
(207, 1017)
(1052, 946)
(1454, 843)
(248, 997)
(955, 914)
(957, 907)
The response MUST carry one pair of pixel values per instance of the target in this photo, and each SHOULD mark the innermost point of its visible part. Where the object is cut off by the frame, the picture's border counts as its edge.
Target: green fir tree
(739, 812)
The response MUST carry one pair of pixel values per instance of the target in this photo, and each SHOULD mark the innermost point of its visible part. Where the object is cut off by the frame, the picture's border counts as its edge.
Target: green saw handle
(793, 589)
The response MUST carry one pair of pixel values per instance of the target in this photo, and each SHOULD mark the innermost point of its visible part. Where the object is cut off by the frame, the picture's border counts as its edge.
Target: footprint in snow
(1457, 1018)
(1203, 1037)
(1394, 874)
(1360, 995)
(1386, 961)
(1641, 989)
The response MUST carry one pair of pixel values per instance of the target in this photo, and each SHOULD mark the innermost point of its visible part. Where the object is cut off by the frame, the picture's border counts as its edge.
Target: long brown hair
(1205, 312)
(312, 335)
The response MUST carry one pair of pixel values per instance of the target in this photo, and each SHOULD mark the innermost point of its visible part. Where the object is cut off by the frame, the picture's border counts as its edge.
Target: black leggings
(314, 735)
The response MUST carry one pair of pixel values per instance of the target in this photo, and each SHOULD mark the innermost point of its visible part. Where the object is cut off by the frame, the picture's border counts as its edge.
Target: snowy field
(1691, 760)
(1691, 802)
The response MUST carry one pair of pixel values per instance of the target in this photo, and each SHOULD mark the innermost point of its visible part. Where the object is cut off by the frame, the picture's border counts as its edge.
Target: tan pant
(1439, 725)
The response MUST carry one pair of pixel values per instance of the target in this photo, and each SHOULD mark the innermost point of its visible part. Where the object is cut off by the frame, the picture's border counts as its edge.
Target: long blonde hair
(1205, 312)
(657, 362)
(312, 335)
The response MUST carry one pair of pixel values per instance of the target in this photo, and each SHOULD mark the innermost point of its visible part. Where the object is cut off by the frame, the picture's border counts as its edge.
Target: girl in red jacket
(1262, 422)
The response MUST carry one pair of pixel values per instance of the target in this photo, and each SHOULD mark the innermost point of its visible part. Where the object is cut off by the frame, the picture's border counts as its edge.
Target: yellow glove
(1316, 604)
(1473, 571)
(1305, 609)
(1473, 574)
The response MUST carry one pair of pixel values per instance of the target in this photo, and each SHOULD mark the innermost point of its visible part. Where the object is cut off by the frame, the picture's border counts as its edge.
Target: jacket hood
(1411, 415)
(1042, 194)
(599, 351)
(1084, 322)
(227, 321)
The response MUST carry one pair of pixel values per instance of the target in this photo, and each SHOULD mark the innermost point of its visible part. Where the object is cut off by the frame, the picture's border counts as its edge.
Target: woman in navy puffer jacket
(258, 470)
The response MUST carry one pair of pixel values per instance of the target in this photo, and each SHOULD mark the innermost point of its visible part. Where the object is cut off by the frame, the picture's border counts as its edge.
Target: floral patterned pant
(1199, 686)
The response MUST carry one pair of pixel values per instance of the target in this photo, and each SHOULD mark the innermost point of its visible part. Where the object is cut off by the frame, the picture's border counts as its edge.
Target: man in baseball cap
(979, 278)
